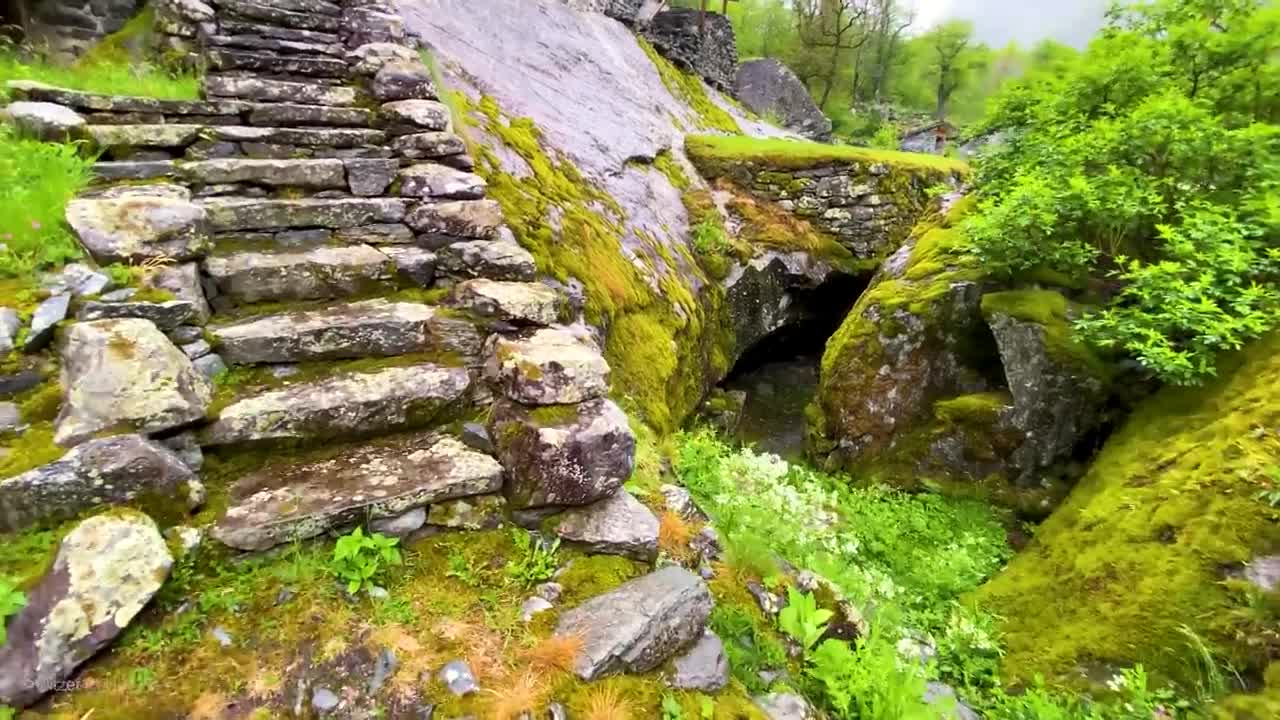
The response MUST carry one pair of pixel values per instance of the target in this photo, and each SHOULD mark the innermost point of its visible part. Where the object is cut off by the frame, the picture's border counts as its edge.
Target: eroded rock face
(107, 569)
(108, 471)
(355, 403)
(639, 625)
(139, 224)
(616, 525)
(548, 367)
(280, 504)
(565, 455)
(125, 373)
(768, 87)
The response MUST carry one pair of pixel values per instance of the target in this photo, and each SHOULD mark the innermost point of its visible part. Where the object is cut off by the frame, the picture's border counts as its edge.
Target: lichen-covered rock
(184, 282)
(461, 219)
(1139, 551)
(639, 625)
(369, 177)
(616, 525)
(549, 366)
(419, 146)
(10, 324)
(513, 302)
(769, 88)
(371, 328)
(239, 214)
(125, 374)
(369, 58)
(309, 274)
(107, 569)
(287, 502)
(703, 667)
(139, 224)
(44, 321)
(400, 80)
(501, 259)
(43, 121)
(322, 173)
(785, 706)
(108, 471)
(165, 315)
(482, 512)
(414, 116)
(342, 406)
(432, 181)
(563, 455)
(267, 90)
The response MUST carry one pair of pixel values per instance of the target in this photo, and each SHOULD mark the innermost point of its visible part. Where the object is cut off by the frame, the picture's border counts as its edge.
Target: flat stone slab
(325, 173)
(420, 146)
(347, 405)
(284, 503)
(278, 15)
(152, 136)
(226, 59)
(501, 259)
(142, 223)
(166, 315)
(31, 90)
(471, 219)
(124, 373)
(49, 122)
(308, 137)
(616, 525)
(107, 471)
(372, 328)
(233, 214)
(413, 116)
(439, 182)
(513, 302)
(135, 169)
(308, 274)
(704, 667)
(266, 90)
(290, 114)
(550, 366)
(639, 625)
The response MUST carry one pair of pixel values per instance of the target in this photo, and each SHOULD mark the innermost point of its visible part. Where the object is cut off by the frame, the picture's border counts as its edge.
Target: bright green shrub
(40, 178)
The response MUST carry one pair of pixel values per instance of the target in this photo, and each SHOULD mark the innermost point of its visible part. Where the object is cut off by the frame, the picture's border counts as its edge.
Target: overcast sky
(996, 22)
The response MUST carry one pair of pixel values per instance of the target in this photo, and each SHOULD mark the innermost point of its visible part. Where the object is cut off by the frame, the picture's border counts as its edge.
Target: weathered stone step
(288, 115)
(308, 274)
(327, 173)
(281, 504)
(354, 404)
(229, 26)
(79, 100)
(310, 137)
(372, 328)
(135, 170)
(265, 62)
(275, 45)
(169, 135)
(280, 16)
(264, 90)
(230, 214)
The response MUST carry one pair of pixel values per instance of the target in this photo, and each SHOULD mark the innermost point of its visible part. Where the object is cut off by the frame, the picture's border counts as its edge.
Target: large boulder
(125, 374)
(638, 626)
(550, 366)
(137, 224)
(769, 88)
(1150, 551)
(616, 525)
(107, 569)
(564, 454)
(107, 471)
(291, 502)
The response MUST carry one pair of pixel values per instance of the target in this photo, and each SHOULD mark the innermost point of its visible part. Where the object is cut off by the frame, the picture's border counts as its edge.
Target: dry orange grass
(605, 702)
(483, 648)
(673, 535)
(555, 654)
(527, 692)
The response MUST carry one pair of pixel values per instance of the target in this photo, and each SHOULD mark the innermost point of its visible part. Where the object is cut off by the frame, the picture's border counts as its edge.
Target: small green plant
(671, 709)
(11, 601)
(802, 619)
(535, 560)
(360, 560)
(460, 567)
(7, 713)
(869, 682)
(142, 678)
(42, 179)
(709, 238)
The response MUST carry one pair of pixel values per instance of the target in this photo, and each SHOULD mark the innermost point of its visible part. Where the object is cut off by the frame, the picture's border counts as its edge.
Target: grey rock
(309, 274)
(234, 214)
(142, 223)
(380, 234)
(266, 90)
(78, 279)
(941, 694)
(44, 321)
(123, 139)
(286, 503)
(185, 446)
(368, 177)
(10, 324)
(324, 700)
(135, 170)
(438, 182)
(533, 606)
(419, 146)
(184, 282)
(223, 637)
(165, 315)
(481, 512)
(199, 348)
(402, 525)
(124, 373)
(413, 116)
(476, 436)
(341, 406)
(403, 80)
(575, 457)
(370, 328)
(313, 139)
(470, 219)
(373, 24)
(12, 385)
(681, 502)
(457, 676)
(106, 570)
(184, 540)
(640, 624)
(324, 173)
(513, 302)
(549, 366)
(30, 90)
(293, 115)
(43, 121)
(415, 264)
(383, 668)
(616, 525)
(785, 706)
(550, 591)
(704, 667)
(501, 259)
(226, 59)
(210, 366)
(1264, 572)
(369, 58)
(10, 417)
(769, 88)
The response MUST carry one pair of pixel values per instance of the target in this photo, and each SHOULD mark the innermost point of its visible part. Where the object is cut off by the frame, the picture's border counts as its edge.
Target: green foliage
(11, 601)
(1153, 158)
(709, 238)
(747, 643)
(869, 681)
(361, 561)
(802, 619)
(7, 713)
(40, 179)
(535, 560)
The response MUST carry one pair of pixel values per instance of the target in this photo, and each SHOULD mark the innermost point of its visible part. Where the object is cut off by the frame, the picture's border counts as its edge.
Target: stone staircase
(316, 208)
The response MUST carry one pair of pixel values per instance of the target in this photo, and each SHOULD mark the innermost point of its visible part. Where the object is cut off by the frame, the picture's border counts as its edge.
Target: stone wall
(701, 44)
(66, 28)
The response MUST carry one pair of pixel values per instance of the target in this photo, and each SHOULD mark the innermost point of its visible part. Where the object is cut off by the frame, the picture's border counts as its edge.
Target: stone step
(275, 14)
(265, 90)
(233, 213)
(275, 45)
(118, 137)
(95, 102)
(305, 274)
(326, 173)
(372, 328)
(110, 171)
(229, 26)
(353, 404)
(265, 62)
(309, 137)
(280, 504)
(291, 115)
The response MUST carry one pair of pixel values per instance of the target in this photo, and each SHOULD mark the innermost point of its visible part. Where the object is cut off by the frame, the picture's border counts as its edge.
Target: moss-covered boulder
(1149, 548)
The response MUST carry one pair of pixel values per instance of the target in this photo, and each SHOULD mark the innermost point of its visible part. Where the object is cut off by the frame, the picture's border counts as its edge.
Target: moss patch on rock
(1145, 544)
(1053, 313)
(710, 152)
(689, 88)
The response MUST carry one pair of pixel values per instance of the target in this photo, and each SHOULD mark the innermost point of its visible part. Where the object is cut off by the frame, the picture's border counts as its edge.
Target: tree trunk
(831, 76)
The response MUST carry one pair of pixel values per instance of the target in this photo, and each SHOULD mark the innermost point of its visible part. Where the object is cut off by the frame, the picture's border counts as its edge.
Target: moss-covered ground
(709, 151)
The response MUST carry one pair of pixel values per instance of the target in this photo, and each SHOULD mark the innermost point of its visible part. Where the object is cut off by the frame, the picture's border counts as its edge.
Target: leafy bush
(869, 681)
(1155, 158)
(40, 178)
(535, 560)
(11, 601)
(802, 619)
(361, 560)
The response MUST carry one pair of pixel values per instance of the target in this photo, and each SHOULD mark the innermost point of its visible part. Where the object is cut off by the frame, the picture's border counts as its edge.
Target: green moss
(554, 415)
(1053, 313)
(981, 409)
(689, 88)
(1139, 548)
(765, 225)
(714, 153)
(31, 449)
(590, 575)
(25, 556)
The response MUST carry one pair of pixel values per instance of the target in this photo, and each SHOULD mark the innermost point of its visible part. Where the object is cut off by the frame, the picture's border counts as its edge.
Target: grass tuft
(41, 178)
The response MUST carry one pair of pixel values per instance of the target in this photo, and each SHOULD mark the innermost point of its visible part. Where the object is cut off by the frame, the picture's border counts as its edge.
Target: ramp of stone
(372, 328)
(279, 504)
